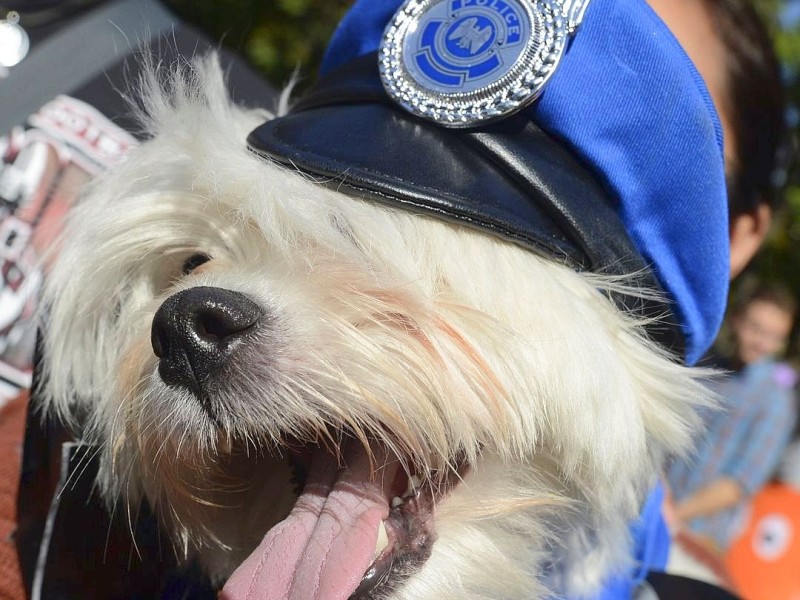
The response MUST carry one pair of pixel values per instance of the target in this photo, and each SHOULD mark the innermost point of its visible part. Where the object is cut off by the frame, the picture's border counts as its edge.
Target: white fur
(456, 340)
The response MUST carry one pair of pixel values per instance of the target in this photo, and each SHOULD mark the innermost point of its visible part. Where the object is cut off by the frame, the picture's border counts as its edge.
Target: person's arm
(718, 495)
(767, 437)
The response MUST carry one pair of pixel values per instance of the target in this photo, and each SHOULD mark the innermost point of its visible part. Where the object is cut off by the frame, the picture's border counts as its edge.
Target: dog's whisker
(112, 514)
(75, 474)
(84, 462)
(359, 427)
(131, 526)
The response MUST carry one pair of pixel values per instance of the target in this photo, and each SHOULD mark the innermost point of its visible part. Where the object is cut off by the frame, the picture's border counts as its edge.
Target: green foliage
(276, 36)
(779, 258)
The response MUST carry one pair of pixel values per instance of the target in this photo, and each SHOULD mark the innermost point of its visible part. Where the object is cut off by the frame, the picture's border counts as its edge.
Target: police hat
(578, 129)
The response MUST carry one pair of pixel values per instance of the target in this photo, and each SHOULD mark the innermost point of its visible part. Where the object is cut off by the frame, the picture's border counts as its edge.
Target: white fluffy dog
(327, 398)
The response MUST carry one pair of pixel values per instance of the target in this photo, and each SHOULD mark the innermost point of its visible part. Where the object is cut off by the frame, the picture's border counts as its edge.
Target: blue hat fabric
(629, 103)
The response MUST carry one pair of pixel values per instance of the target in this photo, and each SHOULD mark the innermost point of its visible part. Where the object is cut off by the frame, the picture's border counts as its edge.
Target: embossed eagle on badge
(469, 35)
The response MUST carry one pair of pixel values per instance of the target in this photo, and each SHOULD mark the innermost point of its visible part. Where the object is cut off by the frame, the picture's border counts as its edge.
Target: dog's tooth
(414, 484)
(383, 539)
(396, 501)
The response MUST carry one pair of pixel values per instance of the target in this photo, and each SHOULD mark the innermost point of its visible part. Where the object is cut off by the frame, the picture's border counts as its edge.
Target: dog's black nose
(195, 332)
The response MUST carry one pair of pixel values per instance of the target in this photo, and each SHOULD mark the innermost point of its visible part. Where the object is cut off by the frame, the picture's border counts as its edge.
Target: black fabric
(85, 551)
(676, 587)
(509, 179)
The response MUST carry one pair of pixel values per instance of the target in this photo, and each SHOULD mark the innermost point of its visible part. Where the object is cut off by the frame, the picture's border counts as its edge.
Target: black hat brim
(509, 179)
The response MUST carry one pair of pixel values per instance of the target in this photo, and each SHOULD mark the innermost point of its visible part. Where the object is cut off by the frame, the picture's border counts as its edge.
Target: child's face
(761, 330)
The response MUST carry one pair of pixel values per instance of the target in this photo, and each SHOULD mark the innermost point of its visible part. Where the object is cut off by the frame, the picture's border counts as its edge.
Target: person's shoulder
(782, 374)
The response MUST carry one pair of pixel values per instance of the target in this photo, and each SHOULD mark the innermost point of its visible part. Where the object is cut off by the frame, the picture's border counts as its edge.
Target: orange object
(764, 561)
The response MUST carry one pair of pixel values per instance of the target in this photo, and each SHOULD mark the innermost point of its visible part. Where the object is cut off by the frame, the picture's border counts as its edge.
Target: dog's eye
(194, 261)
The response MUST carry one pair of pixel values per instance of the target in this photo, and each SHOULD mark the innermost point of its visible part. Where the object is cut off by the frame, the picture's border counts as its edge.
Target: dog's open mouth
(360, 525)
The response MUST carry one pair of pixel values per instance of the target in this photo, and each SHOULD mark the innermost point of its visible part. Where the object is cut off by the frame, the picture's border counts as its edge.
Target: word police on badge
(466, 62)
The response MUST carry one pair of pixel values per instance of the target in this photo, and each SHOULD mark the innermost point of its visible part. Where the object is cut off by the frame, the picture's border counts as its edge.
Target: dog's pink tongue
(323, 548)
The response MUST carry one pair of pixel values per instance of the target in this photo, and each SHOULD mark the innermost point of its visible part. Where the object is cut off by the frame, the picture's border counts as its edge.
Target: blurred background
(779, 259)
(276, 36)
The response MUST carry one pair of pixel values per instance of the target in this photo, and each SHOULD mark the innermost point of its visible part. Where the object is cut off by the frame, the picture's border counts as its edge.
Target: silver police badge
(466, 62)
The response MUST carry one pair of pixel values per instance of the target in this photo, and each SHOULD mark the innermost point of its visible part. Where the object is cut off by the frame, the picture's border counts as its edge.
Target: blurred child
(743, 442)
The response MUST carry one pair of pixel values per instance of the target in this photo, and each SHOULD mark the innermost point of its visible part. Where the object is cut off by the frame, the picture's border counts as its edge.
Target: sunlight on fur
(535, 412)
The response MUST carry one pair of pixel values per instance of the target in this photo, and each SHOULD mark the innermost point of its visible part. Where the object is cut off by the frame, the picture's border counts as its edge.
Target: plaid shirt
(743, 440)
